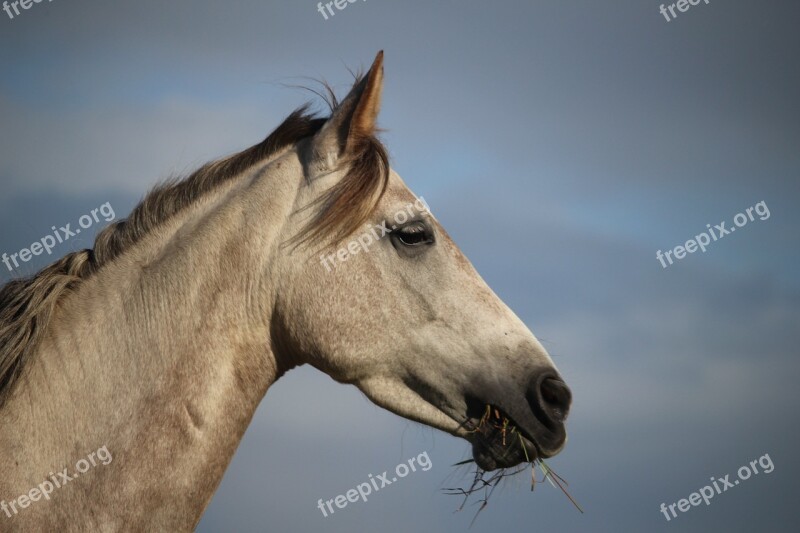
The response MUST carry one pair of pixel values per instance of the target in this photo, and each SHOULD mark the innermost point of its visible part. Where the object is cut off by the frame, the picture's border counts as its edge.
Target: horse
(158, 344)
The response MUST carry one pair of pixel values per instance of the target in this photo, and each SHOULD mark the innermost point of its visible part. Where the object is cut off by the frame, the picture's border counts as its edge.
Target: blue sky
(561, 144)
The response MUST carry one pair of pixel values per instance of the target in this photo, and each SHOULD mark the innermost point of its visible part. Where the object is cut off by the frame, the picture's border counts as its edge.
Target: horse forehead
(397, 190)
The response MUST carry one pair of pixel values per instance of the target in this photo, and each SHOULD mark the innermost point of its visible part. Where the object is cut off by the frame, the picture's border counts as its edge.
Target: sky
(561, 144)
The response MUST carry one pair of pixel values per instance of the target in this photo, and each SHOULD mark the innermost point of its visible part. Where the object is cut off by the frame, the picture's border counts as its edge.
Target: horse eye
(414, 234)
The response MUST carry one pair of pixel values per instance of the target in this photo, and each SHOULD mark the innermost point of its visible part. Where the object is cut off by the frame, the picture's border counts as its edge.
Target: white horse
(158, 345)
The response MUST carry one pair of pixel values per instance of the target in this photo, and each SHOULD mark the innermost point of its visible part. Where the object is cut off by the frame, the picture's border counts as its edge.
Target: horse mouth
(497, 441)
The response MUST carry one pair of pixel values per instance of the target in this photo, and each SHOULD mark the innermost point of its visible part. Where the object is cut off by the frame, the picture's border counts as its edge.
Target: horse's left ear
(353, 119)
(368, 99)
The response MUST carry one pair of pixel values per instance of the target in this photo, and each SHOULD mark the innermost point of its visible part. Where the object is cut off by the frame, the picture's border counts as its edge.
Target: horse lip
(491, 457)
(489, 454)
(550, 443)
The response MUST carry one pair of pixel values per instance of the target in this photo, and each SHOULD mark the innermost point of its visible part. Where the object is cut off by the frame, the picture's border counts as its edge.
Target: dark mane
(27, 305)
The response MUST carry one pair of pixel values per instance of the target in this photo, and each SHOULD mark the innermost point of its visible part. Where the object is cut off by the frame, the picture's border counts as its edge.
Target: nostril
(550, 399)
(556, 398)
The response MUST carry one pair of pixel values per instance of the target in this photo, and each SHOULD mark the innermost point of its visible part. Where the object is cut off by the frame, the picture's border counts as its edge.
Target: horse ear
(353, 119)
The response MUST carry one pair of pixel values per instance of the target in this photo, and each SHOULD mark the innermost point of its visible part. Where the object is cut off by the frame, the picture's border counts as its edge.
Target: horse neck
(163, 357)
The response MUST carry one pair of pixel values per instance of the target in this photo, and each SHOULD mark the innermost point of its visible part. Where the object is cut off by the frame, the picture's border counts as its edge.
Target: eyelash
(414, 235)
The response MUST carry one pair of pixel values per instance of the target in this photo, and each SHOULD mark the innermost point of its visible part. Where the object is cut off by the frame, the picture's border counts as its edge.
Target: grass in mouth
(491, 421)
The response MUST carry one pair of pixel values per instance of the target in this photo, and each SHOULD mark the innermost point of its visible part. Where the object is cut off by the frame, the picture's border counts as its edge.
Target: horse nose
(550, 399)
